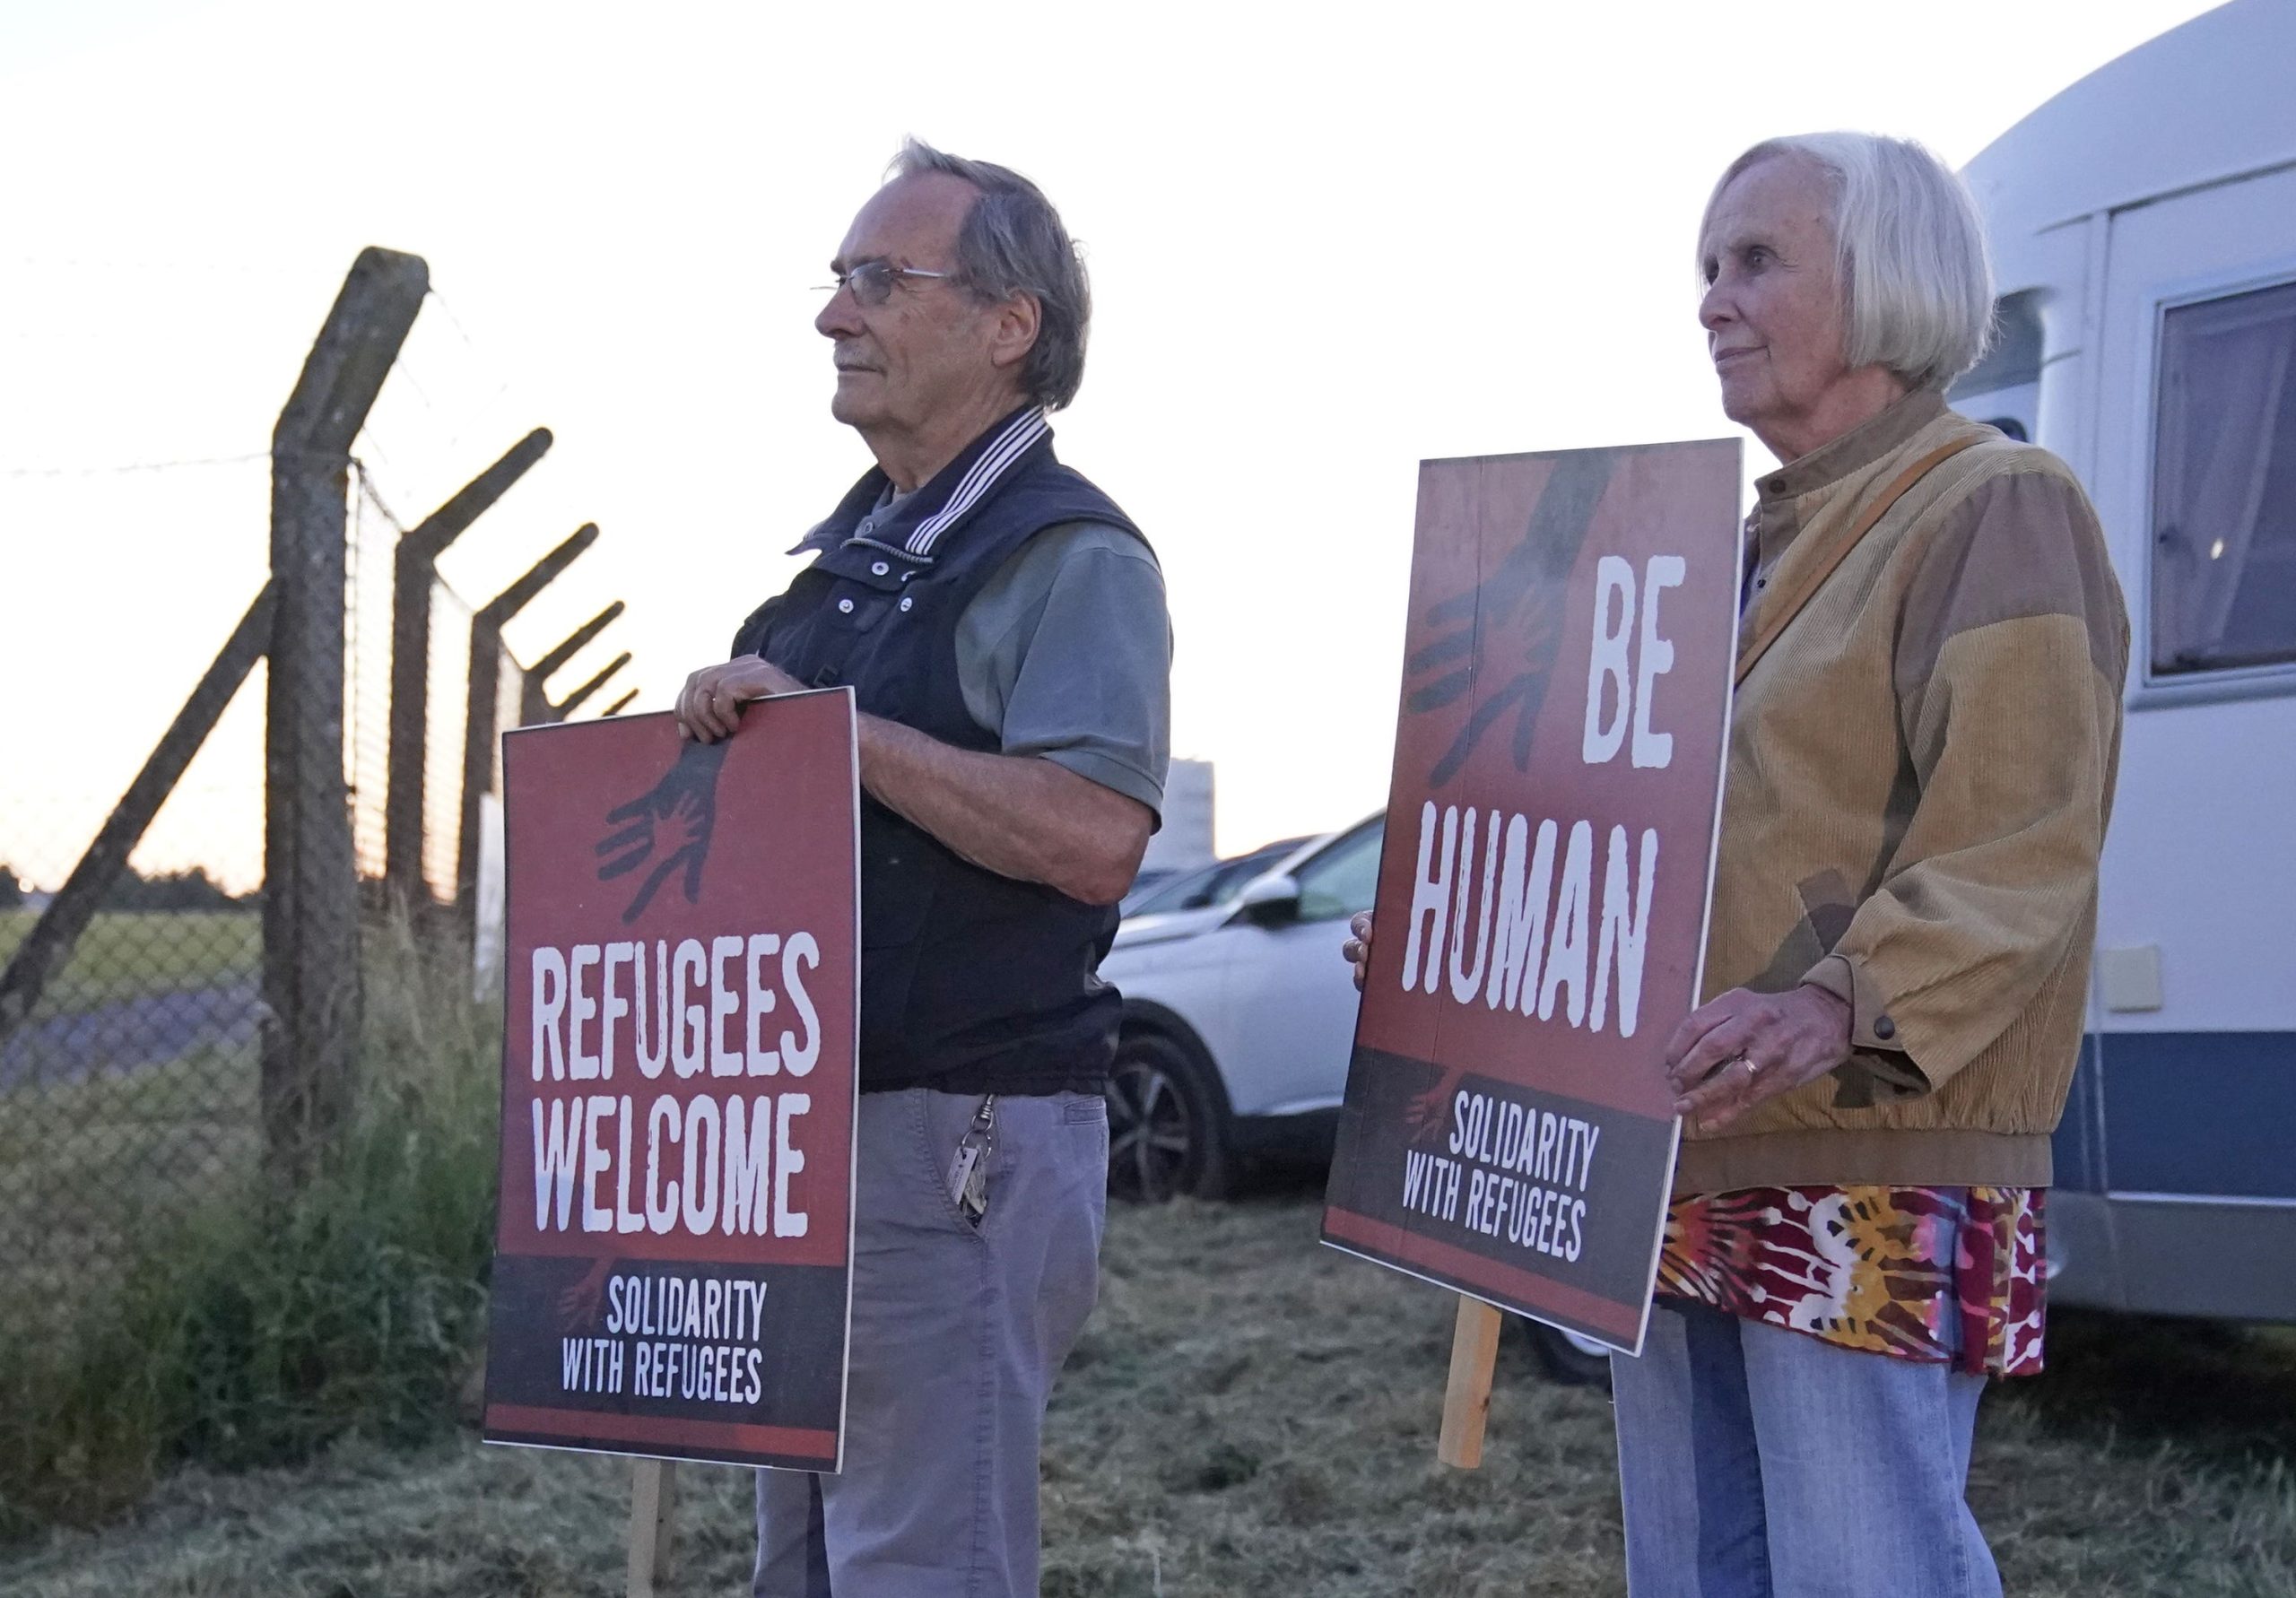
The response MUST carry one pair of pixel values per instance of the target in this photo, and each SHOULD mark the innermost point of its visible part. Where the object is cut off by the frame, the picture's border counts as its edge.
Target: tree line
(192, 890)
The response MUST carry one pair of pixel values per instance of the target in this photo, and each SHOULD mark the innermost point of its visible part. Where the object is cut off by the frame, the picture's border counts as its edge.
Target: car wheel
(1565, 1358)
(1164, 1132)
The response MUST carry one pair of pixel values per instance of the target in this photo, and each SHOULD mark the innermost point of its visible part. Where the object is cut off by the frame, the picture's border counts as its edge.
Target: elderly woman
(1921, 761)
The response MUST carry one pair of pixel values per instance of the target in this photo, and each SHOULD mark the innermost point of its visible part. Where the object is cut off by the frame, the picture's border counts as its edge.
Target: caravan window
(2224, 485)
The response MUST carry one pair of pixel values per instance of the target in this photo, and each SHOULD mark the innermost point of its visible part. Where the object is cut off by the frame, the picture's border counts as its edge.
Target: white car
(1238, 1021)
(1217, 884)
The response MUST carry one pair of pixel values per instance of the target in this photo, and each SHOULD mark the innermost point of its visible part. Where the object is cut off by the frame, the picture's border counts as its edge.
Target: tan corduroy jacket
(1920, 772)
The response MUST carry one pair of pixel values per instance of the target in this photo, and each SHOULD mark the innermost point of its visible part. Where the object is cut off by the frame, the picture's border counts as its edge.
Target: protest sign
(1541, 913)
(673, 1235)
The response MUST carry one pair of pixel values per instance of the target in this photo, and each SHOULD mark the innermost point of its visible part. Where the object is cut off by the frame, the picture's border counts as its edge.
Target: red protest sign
(1541, 913)
(673, 1234)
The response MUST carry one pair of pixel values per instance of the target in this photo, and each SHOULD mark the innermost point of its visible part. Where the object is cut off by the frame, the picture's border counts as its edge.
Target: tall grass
(256, 1325)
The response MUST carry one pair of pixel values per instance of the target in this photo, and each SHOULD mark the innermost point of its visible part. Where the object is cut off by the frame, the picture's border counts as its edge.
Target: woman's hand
(709, 705)
(1728, 1056)
(1357, 950)
(1745, 1046)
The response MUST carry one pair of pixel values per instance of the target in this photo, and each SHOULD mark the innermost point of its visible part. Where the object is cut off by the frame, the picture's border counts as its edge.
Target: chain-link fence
(130, 1086)
(184, 877)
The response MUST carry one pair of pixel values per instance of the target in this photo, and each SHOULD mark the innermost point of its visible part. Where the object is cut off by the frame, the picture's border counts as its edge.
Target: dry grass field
(127, 952)
(1252, 1414)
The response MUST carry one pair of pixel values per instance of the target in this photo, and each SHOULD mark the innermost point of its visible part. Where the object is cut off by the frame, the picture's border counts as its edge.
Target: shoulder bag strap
(1780, 615)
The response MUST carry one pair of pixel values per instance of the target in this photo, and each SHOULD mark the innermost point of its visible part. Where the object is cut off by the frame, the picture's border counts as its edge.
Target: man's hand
(709, 705)
(1745, 1046)
(1357, 950)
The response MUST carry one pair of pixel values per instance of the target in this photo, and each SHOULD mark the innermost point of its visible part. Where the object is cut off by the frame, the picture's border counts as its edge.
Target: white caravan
(2143, 226)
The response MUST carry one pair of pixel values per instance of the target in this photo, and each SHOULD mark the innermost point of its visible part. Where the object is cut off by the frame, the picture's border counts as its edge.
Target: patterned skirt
(1938, 1275)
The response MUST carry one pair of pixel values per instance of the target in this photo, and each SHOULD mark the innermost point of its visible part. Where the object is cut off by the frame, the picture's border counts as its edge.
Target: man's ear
(1019, 319)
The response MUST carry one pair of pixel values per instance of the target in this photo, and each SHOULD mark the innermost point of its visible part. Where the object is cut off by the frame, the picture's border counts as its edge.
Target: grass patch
(93, 1171)
(127, 953)
(244, 1327)
(1249, 1413)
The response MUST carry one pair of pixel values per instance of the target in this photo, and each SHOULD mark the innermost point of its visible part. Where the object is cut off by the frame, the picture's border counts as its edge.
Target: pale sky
(1326, 241)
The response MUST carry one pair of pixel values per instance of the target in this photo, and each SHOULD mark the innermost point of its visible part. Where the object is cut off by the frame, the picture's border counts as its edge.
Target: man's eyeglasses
(872, 281)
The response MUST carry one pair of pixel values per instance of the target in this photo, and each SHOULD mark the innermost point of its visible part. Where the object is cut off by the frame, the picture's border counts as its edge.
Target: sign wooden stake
(1467, 1397)
(652, 1508)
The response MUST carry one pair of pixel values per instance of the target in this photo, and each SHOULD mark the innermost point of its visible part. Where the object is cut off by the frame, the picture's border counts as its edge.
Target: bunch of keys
(968, 1167)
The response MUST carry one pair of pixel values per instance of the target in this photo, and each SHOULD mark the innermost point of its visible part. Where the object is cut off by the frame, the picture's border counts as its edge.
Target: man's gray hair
(1915, 271)
(1013, 242)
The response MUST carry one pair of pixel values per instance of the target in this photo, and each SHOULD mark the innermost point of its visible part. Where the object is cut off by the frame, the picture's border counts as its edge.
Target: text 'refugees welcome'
(705, 1040)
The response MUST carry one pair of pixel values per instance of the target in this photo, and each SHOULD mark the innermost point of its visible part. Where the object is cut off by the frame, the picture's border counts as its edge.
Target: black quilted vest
(970, 981)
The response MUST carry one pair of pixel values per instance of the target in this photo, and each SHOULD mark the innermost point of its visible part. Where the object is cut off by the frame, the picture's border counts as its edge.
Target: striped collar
(913, 529)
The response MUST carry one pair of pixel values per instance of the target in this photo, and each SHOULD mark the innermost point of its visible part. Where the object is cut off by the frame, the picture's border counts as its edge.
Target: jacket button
(846, 606)
(907, 600)
(878, 568)
(1884, 1028)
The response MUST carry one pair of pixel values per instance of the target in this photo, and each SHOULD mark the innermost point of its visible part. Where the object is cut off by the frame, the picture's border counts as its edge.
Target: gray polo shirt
(1067, 652)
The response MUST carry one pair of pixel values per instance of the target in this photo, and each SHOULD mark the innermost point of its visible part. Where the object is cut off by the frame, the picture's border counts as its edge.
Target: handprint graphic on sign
(667, 827)
(1523, 600)
(1517, 609)
(578, 1305)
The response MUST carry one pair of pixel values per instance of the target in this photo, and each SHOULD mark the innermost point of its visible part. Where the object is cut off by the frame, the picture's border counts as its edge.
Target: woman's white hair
(1915, 271)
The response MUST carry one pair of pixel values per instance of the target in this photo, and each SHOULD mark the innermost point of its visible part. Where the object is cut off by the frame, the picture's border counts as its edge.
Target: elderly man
(1002, 626)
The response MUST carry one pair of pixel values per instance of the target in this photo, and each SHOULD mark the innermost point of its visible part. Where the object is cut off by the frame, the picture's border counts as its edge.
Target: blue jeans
(1756, 1462)
(958, 1329)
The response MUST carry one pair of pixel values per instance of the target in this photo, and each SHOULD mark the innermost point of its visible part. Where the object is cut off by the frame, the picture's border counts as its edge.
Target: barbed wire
(119, 469)
(373, 496)
(173, 265)
(501, 388)
(122, 468)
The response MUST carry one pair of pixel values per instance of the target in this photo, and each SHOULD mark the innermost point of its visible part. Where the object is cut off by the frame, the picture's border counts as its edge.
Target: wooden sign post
(1541, 917)
(652, 1508)
(1466, 1396)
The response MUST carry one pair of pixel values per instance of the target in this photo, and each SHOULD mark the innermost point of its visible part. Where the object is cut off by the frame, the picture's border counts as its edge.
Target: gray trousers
(958, 1331)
